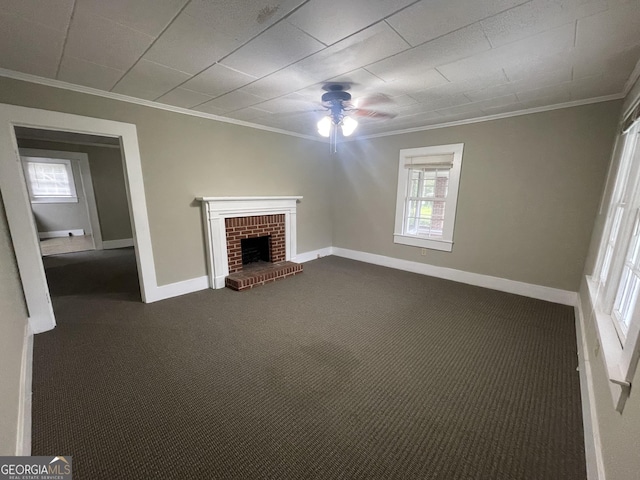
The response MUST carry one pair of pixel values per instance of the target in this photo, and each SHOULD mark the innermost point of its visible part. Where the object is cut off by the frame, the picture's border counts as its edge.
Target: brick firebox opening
(242, 228)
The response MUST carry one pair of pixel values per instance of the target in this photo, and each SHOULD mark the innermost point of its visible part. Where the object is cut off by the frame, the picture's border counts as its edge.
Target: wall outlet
(423, 252)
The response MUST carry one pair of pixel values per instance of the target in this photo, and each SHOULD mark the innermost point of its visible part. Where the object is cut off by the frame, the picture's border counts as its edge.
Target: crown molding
(635, 74)
(185, 111)
(489, 118)
(49, 82)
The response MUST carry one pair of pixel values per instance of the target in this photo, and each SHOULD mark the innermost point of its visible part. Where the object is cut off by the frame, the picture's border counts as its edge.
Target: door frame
(18, 206)
(86, 183)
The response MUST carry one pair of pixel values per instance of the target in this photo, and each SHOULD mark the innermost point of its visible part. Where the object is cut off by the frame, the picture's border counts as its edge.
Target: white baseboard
(313, 255)
(23, 438)
(592, 443)
(179, 288)
(60, 233)
(122, 243)
(540, 292)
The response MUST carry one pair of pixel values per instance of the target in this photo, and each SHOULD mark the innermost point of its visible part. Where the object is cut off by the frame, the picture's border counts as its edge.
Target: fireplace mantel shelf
(243, 199)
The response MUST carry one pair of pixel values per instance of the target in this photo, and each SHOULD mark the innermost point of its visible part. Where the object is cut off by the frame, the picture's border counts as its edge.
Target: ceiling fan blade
(367, 113)
(373, 99)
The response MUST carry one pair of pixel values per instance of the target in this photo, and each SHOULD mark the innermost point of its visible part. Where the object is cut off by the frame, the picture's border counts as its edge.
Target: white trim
(121, 243)
(635, 74)
(592, 442)
(313, 255)
(49, 82)
(445, 243)
(488, 118)
(18, 208)
(540, 292)
(180, 288)
(23, 437)
(60, 233)
(216, 209)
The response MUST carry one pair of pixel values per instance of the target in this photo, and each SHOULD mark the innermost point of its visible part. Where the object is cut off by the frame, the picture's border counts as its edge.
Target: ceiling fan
(341, 110)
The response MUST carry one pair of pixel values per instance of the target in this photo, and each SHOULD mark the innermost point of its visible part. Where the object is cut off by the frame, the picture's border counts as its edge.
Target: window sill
(442, 245)
(611, 350)
(54, 200)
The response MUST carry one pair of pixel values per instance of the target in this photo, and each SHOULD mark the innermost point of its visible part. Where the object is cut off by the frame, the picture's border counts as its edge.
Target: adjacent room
(318, 239)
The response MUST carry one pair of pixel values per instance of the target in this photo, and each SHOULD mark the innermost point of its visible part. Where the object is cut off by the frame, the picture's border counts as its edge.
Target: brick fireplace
(230, 220)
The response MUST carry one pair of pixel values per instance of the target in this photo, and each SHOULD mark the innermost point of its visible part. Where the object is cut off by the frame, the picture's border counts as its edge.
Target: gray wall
(13, 321)
(620, 433)
(184, 157)
(52, 217)
(107, 176)
(529, 189)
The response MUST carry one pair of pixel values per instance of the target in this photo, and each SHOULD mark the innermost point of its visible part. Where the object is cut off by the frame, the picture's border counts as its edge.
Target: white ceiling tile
(103, 41)
(240, 19)
(217, 80)
(620, 63)
(457, 45)
(561, 90)
(360, 80)
(81, 72)
(332, 20)
(454, 113)
(434, 101)
(149, 80)
(208, 108)
(190, 45)
(248, 114)
(182, 97)
(283, 82)
(54, 14)
(289, 103)
(609, 32)
(403, 100)
(29, 47)
(544, 78)
(493, 103)
(537, 16)
(596, 86)
(528, 68)
(147, 16)
(427, 20)
(234, 101)
(281, 45)
(531, 49)
(490, 92)
(363, 48)
(558, 98)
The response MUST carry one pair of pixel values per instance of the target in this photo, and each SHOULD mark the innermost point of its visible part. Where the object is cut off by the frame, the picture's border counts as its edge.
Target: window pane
(49, 180)
(415, 183)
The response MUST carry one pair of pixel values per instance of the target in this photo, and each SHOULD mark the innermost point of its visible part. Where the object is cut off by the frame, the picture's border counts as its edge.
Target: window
(49, 180)
(428, 179)
(614, 287)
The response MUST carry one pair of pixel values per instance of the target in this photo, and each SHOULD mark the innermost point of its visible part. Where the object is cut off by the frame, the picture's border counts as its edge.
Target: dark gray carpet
(348, 371)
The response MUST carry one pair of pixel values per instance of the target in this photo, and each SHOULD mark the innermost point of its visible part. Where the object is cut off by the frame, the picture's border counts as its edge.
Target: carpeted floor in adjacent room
(348, 371)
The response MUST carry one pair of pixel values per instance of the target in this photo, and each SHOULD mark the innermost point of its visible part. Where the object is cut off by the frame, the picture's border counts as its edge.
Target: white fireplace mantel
(216, 209)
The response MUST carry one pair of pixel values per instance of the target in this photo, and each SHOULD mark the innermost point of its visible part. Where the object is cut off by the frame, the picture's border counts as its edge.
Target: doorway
(18, 207)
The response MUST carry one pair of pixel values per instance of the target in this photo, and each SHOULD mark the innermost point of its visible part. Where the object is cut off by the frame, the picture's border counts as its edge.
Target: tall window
(614, 286)
(428, 180)
(49, 180)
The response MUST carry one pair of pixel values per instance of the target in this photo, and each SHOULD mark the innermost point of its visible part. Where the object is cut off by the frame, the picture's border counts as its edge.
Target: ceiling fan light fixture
(349, 124)
(324, 126)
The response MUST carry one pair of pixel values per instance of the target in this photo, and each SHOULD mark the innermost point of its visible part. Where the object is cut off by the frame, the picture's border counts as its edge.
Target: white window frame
(444, 243)
(619, 338)
(72, 198)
